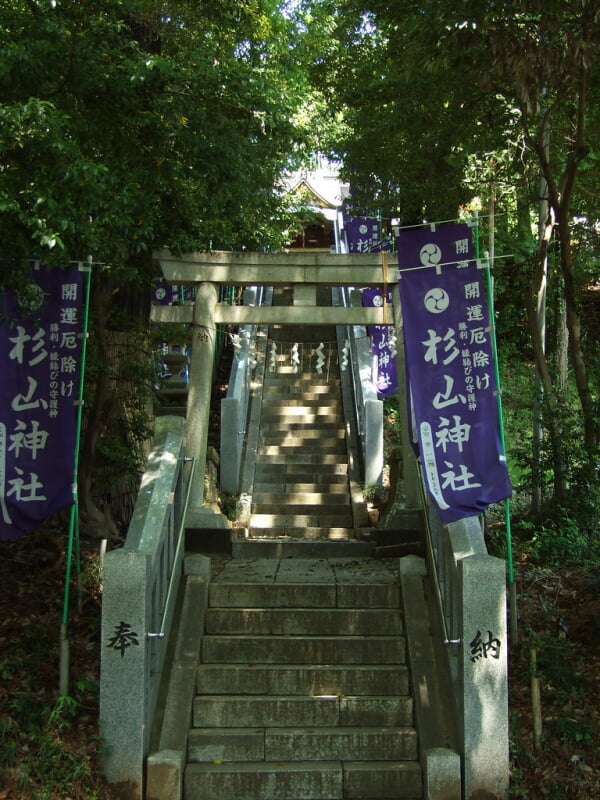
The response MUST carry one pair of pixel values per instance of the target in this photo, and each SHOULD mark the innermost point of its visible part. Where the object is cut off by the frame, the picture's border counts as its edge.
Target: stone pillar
(124, 724)
(199, 391)
(373, 442)
(231, 444)
(442, 774)
(485, 679)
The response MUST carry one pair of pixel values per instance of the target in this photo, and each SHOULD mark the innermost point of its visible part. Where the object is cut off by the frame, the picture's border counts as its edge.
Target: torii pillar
(199, 393)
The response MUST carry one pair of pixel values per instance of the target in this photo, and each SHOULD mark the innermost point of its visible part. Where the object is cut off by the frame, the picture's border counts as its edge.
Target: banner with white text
(450, 370)
(40, 354)
(383, 345)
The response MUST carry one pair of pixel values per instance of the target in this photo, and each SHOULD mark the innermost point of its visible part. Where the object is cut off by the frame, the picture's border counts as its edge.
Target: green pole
(74, 518)
(507, 519)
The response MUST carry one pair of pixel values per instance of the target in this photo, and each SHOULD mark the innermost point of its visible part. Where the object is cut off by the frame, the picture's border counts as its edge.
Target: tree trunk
(560, 362)
(93, 519)
(574, 327)
(539, 293)
(560, 193)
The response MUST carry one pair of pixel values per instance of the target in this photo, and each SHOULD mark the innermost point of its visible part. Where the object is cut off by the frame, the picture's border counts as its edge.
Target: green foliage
(124, 128)
(31, 743)
(557, 542)
(374, 494)
(229, 505)
(564, 531)
(515, 725)
(561, 666)
(449, 105)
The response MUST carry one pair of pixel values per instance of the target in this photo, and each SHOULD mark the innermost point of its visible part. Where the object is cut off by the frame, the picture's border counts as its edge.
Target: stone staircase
(302, 489)
(303, 689)
(302, 686)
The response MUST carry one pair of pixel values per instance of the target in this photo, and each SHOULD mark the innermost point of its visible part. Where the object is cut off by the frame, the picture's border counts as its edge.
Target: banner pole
(74, 516)
(512, 596)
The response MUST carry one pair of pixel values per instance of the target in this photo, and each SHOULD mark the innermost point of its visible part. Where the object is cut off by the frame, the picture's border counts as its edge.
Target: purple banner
(363, 235)
(39, 364)
(168, 294)
(450, 370)
(383, 345)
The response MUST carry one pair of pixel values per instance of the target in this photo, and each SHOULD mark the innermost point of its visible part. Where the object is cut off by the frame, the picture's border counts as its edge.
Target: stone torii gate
(304, 272)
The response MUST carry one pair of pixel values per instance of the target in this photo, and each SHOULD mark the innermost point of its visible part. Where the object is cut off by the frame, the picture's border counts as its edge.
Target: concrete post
(125, 668)
(442, 774)
(231, 444)
(485, 679)
(373, 442)
(199, 391)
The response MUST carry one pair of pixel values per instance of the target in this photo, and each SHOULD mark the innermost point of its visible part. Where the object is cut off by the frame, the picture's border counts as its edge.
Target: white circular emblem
(378, 300)
(30, 298)
(436, 301)
(430, 254)
(161, 293)
(363, 228)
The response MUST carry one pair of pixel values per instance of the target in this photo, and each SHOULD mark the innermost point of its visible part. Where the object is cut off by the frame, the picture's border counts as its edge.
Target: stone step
(264, 781)
(303, 701)
(299, 382)
(303, 595)
(281, 711)
(290, 499)
(303, 650)
(401, 780)
(285, 369)
(295, 447)
(322, 518)
(298, 443)
(304, 780)
(301, 506)
(228, 744)
(288, 743)
(260, 544)
(262, 711)
(297, 391)
(325, 744)
(337, 486)
(304, 534)
(276, 595)
(334, 471)
(276, 417)
(276, 422)
(351, 680)
(304, 621)
(299, 427)
(327, 382)
(320, 406)
(307, 411)
(309, 436)
(305, 461)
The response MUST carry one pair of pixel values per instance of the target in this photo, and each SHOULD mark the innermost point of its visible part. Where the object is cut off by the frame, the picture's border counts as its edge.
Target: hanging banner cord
(512, 596)
(73, 540)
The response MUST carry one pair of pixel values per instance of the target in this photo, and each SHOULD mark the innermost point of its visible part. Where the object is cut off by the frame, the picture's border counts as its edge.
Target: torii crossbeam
(304, 271)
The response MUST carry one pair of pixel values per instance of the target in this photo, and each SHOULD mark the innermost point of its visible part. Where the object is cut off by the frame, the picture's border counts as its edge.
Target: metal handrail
(180, 539)
(432, 560)
(357, 389)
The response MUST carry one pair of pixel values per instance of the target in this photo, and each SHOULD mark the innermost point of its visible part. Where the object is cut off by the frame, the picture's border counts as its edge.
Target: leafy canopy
(126, 125)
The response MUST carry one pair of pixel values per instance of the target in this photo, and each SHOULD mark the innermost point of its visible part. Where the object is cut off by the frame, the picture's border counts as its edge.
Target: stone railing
(234, 407)
(368, 409)
(471, 589)
(141, 581)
